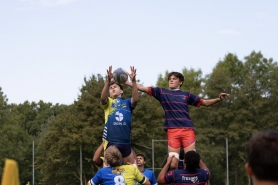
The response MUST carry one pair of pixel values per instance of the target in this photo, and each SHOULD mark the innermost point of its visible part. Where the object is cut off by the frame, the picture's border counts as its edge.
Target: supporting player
(116, 173)
(141, 161)
(178, 124)
(195, 171)
(118, 115)
(98, 159)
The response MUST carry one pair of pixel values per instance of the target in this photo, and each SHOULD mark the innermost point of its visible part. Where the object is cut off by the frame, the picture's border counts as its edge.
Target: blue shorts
(125, 149)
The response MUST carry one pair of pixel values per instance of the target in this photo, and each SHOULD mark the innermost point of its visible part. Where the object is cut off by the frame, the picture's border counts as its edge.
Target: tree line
(59, 130)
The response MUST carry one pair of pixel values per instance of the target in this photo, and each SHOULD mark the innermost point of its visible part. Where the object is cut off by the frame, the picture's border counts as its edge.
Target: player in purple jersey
(195, 171)
(118, 115)
(180, 163)
(178, 124)
(262, 158)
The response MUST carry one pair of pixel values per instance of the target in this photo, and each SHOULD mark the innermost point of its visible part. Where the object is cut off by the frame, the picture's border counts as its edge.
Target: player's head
(113, 156)
(262, 156)
(140, 159)
(191, 160)
(115, 89)
(175, 80)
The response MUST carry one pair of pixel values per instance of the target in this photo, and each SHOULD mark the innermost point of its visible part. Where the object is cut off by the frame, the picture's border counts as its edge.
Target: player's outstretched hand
(222, 96)
(109, 73)
(132, 74)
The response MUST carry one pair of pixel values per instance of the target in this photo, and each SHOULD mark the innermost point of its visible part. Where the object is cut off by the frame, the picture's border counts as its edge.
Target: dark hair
(191, 160)
(177, 75)
(262, 155)
(114, 82)
(142, 155)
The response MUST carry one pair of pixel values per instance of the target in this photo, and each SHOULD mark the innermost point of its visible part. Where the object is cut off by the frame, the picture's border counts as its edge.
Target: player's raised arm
(139, 86)
(210, 102)
(97, 160)
(135, 97)
(202, 165)
(105, 90)
(164, 170)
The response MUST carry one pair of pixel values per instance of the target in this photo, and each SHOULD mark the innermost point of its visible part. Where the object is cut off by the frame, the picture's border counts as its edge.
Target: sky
(48, 47)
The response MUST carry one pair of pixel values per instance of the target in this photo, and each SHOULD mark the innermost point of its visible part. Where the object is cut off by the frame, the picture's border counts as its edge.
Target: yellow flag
(10, 174)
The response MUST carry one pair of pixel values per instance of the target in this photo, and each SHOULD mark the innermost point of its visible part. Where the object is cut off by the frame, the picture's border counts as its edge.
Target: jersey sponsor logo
(119, 116)
(118, 171)
(193, 179)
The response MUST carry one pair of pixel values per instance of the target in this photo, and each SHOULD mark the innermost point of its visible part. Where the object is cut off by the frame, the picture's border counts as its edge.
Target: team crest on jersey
(123, 105)
(118, 171)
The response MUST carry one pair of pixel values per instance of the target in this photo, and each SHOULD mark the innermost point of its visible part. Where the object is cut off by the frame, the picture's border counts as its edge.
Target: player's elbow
(97, 161)
(205, 103)
(135, 100)
(160, 181)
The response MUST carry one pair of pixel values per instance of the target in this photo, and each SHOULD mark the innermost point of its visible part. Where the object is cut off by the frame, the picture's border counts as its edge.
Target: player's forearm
(210, 102)
(97, 160)
(139, 86)
(105, 91)
(202, 165)
(135, 96)
(162, 173)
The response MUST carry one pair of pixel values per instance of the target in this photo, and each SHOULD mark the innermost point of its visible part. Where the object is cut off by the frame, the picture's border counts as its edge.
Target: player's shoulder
(204, 171)
(179, 171)
(126, 167)
(148, 170)
(104, 171)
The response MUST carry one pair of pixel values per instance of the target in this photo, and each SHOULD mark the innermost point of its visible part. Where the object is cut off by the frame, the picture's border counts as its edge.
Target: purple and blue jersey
(175, 104)
(182, 176)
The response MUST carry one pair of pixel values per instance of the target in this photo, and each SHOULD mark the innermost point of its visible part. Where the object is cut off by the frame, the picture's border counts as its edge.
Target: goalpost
(153, 140)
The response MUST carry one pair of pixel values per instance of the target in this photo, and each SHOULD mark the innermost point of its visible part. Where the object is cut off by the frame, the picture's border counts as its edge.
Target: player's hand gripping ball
(120, 76)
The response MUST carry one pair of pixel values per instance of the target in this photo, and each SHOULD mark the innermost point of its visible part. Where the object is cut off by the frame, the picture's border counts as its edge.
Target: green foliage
(16, 144)
(60, 130)
(3, 107)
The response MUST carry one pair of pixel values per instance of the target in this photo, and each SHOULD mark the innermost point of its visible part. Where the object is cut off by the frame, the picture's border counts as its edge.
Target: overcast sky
(47, 47)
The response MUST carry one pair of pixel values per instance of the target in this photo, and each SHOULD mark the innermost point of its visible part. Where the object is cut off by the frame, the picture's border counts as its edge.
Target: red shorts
(180, 136)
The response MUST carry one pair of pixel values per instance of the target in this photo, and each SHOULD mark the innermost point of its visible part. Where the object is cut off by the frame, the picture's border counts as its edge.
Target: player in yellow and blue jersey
(118, 115)
(115, 173)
